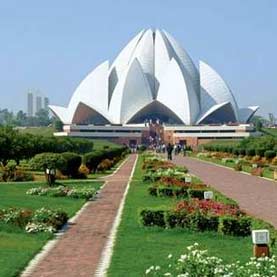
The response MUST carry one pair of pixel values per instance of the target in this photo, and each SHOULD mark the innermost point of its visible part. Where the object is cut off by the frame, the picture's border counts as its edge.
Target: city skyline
(36, 101)
(237, 38)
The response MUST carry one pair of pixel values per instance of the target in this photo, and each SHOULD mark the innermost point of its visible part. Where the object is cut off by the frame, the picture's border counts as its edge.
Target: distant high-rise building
(38, 103)
(30, 104)
(35, 102)
(46, 103)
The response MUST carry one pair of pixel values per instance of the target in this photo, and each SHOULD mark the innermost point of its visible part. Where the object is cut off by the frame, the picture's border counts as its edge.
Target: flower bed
(210, 207)
(41, 220)
(178, 173)
(63, 191)
(197, 262)
(200, 215)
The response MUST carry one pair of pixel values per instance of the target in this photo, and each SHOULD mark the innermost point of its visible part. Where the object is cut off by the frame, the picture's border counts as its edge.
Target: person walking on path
(169, 150)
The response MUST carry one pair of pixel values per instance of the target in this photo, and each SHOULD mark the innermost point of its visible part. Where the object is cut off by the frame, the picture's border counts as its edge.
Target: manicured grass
(223, 142)
(139, 247)
(270, 131)
(43, 131)
(14, 195)
(16, 246)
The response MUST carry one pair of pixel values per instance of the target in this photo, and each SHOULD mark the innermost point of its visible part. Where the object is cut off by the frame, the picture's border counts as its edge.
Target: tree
(43, 117)
(58, 125)
(21, 118)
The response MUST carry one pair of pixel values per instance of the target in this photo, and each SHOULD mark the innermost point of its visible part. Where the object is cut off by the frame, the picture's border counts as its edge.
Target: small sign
(208, 195)
(188, 179)
(260, 236)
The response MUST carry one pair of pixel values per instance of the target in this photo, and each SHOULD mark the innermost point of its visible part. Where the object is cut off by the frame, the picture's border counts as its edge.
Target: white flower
(169, 256)
(148, 271)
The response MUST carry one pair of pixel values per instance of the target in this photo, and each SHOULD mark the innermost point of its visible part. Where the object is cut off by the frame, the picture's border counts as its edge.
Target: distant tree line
(41, 118)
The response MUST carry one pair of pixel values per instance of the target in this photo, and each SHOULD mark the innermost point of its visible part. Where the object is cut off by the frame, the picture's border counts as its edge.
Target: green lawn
(139, 247)
(16, 246)
(43, 131)
(270, 131)
(223, 142)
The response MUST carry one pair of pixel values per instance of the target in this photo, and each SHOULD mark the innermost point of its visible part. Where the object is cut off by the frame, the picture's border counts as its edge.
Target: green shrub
(250, 152)
(236, 151)
(200, 222)
(48, 160)
(176, 219)
(242, 151)
(260, 152)
(238, 166)
(196, 193)
(72, 164)
(166, 191)
(240, 226)
(269, 154)
(153, 191)
(93, 159)
(153, 217)
(11, 173)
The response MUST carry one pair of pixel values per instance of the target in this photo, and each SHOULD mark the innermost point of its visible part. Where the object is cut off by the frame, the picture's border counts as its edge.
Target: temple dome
(153, 77)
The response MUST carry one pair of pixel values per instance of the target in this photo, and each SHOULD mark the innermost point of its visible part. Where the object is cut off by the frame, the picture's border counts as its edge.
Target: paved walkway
(79, 250)
(256, 196)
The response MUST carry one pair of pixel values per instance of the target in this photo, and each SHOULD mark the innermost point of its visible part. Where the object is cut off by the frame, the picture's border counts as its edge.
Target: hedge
(93, 159)
(235, 226)
(72, 164)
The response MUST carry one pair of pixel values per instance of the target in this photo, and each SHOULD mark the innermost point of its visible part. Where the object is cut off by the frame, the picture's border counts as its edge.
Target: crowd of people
(170, 149)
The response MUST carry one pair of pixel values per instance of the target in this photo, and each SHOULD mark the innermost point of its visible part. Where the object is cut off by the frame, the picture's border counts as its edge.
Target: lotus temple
(153, 90)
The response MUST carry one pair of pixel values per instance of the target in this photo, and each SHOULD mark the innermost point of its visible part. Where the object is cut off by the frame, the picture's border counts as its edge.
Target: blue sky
(51, 45)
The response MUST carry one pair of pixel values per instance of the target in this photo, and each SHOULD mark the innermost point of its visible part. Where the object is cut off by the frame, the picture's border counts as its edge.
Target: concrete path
(78, 252)
(256, 196)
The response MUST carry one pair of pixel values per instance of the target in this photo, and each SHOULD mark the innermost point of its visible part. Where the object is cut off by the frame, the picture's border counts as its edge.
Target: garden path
(78, 251)
(256, 196)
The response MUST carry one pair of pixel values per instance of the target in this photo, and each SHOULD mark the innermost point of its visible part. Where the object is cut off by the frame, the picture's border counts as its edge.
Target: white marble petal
(177, 93)
(131, 94)
(214, 89)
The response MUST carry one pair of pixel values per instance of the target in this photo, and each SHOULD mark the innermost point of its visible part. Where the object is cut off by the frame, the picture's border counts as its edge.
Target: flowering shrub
(41, 220)
(15, 216)
(172, 181)
(105, 165)
(39, 227)
(176, 172)
(84, 193)
(63, 191)
(54, 218)
(196, 262)
(210, 207)
(154, 164)
(12, 173)
(257, 171)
